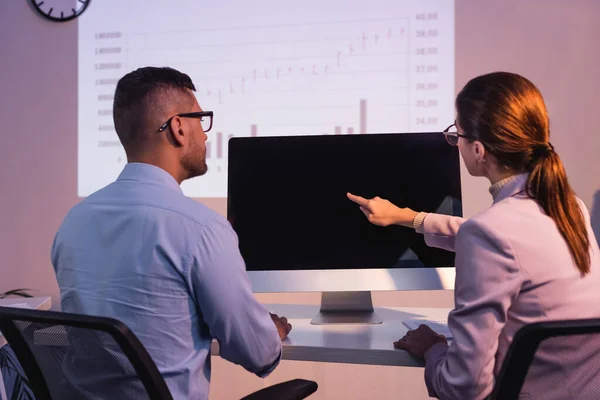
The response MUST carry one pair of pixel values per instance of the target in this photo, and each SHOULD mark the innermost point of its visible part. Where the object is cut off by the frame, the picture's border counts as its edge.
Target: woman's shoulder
(516, 219)
(505, 217)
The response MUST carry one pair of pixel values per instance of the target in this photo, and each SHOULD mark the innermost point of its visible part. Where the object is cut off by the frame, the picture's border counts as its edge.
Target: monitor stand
(346, 308)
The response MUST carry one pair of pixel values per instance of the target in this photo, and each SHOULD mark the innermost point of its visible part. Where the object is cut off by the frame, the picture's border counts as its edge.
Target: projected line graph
(298, 57)
(272, 70)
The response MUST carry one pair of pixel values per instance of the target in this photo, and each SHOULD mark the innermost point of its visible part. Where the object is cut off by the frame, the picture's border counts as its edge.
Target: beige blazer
(512, 268)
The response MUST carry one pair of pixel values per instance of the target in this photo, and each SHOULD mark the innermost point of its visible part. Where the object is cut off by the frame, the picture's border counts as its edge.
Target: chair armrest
(295, 389)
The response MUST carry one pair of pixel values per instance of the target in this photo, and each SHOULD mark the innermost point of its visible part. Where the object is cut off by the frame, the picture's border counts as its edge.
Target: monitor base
(346, 308)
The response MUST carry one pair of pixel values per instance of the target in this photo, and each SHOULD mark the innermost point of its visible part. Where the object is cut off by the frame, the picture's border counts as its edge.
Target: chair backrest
(68, 356)
(552, 360)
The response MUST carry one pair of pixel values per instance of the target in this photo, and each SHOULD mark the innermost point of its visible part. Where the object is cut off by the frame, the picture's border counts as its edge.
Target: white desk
(36, 303)
(351, 344)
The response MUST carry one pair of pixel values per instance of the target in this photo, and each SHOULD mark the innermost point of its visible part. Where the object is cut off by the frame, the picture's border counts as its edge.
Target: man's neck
(172, 167)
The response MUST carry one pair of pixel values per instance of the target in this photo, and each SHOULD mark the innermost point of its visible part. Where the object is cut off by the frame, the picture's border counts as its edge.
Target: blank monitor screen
(287, 199)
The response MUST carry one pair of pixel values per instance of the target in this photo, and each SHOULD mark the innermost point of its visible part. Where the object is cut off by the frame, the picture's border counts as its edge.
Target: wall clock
(60, 10)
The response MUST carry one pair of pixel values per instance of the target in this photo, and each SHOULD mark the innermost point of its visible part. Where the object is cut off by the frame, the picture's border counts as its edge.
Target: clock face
(60, 10)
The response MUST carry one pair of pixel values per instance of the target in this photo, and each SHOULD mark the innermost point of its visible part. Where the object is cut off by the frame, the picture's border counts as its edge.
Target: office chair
(552, 360)
(70, 356)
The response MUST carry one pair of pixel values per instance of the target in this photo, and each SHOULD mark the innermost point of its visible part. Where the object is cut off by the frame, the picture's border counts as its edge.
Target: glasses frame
(196, 114)
(456, 135)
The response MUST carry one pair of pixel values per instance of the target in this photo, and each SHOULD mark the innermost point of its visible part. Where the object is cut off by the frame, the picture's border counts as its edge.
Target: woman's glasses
(451, 134)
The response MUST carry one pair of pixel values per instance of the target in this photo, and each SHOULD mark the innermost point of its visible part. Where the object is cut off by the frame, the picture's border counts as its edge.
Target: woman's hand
(383, 213)
(420, 340)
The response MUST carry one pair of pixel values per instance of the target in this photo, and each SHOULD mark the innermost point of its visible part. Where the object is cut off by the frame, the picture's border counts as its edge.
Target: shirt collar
(508, 187)
(142, 172)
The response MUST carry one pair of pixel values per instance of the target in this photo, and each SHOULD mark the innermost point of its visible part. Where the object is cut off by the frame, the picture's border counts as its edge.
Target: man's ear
(178, 131)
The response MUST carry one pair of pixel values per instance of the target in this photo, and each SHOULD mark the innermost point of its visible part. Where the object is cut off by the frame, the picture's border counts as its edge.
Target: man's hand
(417, 342)
(282, 324)
(382, 212)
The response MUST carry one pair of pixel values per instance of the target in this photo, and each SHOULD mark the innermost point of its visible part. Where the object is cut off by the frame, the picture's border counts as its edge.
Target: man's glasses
(206, 119)
(451, 134)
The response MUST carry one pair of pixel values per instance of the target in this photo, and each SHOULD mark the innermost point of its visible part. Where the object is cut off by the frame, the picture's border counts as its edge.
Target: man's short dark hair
(141, 94)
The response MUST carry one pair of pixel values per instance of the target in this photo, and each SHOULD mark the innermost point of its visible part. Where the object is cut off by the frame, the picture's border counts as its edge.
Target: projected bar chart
(362, 121)
(343, 71)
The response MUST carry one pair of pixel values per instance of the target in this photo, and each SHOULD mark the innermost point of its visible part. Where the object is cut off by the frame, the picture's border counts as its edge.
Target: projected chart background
(268, 69)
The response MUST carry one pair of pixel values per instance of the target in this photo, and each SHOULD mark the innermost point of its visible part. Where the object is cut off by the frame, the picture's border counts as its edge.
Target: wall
(38, 152)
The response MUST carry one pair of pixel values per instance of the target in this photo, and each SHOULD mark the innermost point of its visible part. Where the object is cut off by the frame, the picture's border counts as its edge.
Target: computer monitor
(299, 232)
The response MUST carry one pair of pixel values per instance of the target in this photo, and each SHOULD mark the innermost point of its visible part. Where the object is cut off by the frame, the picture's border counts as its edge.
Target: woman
(532, 256)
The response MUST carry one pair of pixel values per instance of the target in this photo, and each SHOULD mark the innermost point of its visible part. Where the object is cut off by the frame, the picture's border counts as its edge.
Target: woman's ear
(479, 152)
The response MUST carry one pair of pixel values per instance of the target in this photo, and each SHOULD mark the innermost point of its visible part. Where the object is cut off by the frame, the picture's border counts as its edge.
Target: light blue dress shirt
(170, 269)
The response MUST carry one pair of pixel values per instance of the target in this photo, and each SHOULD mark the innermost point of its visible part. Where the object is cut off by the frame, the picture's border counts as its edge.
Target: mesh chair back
(553, 360)
(70, 356)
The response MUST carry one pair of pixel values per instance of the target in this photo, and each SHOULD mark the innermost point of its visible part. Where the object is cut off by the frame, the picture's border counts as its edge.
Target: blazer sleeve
(488, 281)
(440, 230)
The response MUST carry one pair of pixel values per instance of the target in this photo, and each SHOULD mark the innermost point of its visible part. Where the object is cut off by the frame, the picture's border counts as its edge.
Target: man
(140, 251)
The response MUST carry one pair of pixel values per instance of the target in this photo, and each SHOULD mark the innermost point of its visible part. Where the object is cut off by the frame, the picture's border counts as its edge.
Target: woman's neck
(496, 175)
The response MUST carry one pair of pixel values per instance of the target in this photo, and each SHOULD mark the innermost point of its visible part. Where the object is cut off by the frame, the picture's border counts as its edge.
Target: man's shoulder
(169, 206)
(195, 211)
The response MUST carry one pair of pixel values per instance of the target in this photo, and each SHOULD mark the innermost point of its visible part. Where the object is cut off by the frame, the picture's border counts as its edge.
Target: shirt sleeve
(243, 327)
(487, 283)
